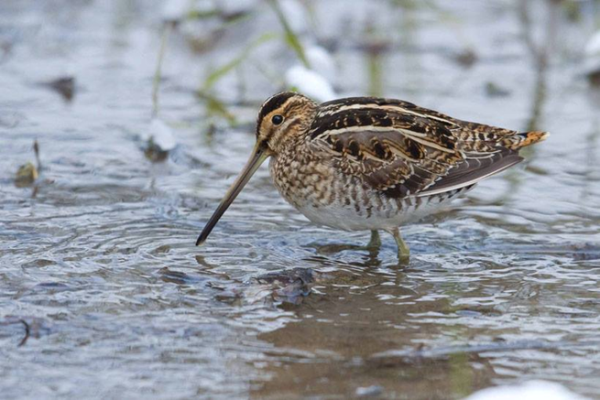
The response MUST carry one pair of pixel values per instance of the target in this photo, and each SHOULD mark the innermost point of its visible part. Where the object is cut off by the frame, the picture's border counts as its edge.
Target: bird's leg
(375, 242)
(403, 250)
(372, 247)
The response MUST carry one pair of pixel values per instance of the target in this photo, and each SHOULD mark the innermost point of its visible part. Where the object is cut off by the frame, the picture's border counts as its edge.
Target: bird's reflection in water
(355, 313)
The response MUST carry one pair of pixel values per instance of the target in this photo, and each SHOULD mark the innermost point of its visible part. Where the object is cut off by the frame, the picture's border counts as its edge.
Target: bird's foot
(375, 242)
(403, 250)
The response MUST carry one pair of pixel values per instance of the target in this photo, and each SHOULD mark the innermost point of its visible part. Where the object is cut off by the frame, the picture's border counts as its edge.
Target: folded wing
(403, 150)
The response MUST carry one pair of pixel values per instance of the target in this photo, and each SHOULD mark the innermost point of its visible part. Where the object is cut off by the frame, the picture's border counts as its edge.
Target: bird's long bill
(259, 155)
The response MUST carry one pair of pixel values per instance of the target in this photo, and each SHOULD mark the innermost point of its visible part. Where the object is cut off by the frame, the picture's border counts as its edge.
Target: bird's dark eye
(277, 119)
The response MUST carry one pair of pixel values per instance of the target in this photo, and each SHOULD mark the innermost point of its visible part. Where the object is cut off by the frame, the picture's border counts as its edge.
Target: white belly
(329, 198)
(349, 219)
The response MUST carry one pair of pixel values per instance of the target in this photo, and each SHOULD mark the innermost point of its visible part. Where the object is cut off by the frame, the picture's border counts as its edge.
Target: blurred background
(123, 122)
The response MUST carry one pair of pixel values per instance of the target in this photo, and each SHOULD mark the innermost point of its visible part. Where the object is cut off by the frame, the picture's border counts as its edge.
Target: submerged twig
(65, 86)
(12, 321)
(27, 333)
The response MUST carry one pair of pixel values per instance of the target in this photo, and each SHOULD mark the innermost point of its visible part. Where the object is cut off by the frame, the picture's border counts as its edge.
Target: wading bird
(366, 163)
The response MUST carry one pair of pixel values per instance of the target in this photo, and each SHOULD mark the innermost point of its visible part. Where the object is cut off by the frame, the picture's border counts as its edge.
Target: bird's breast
(303, 180)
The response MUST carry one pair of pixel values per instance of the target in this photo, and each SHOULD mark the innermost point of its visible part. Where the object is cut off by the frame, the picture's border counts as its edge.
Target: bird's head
(283, 119)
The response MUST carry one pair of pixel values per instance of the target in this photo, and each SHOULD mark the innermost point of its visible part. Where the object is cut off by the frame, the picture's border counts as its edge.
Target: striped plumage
(367, 163)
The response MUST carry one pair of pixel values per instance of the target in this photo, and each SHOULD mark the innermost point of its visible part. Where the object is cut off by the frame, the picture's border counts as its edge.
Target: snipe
(365, 163)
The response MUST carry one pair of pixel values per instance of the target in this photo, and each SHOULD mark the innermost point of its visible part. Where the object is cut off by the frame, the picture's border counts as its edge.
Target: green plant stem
(291, 38)
(158, 72)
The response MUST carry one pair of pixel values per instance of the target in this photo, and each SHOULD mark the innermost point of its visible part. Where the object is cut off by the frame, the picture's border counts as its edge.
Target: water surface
(97, 258)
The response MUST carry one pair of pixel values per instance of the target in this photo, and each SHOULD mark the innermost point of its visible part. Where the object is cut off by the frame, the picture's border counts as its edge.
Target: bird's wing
(403, 150)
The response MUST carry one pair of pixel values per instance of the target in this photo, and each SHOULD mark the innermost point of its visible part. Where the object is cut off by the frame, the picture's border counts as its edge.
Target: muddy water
(103, 294)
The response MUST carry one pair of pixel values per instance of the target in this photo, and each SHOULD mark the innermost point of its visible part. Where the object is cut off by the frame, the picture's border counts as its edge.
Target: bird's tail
(526, 139)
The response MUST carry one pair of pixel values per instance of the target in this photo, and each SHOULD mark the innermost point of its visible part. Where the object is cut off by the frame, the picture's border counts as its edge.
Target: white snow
(592, 47)
(161, 135)
(296, 15)
(591, 61)
(321, 61)
(175, 10)
(236, 6)
(309, 83)
(532, 390)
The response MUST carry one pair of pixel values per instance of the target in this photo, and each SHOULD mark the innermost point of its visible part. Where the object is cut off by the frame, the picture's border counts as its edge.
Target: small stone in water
(65, 86)
(154, 153)
(594, 78)
(177, 277)
(466, 58)
(159, 141)
(26, 175)
(370, 391)
(286, 286)
(493, 90)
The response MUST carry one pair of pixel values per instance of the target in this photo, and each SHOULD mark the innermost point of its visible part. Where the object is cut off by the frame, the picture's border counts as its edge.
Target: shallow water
(97, 258)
